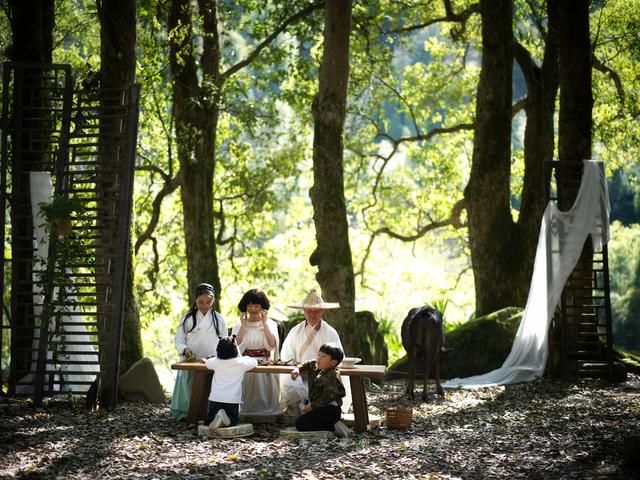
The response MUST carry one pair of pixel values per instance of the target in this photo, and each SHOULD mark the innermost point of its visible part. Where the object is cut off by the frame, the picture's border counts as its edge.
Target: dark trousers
(230, 408)
(321, 418)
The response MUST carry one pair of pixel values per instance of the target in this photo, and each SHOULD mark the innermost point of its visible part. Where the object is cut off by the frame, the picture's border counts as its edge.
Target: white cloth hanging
(560, 243)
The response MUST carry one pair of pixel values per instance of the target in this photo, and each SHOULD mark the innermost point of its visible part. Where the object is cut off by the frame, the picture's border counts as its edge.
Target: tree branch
(453, 220)
(395, 142)
(535, 11)
(529, 68)
(169, 187)
(433, 132)
(518, 106)
(403, 100)
(613, 75)
(153, 169)
(450, 16)
(267, 41)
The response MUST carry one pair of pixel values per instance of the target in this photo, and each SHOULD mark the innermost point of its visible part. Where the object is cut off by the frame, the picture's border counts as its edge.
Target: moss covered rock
(474, 347)
(631, 362)
(373, 348)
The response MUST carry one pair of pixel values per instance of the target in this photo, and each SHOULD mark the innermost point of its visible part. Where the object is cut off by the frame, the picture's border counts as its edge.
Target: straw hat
(313, 300)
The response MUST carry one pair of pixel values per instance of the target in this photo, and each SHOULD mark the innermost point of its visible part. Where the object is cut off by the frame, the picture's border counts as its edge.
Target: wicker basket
(398, 418)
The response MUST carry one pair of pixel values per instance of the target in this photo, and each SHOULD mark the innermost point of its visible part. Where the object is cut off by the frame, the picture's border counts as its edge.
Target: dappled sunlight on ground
(545, 429)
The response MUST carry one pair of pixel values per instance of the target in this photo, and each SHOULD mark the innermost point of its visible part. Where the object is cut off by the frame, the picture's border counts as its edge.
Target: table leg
(359, 398)
(200, 389)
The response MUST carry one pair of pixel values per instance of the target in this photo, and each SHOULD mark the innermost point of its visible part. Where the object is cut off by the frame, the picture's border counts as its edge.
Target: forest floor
(541, 430)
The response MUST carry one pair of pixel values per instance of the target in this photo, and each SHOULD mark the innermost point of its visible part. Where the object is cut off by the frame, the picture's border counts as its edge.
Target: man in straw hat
(303, 343)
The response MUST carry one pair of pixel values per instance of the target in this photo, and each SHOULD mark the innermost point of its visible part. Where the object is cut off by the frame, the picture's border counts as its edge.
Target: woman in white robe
(196, 338)
(257, 336)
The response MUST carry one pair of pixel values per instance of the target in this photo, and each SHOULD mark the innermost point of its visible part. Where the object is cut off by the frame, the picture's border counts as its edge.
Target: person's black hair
(256, 296)
(202, 289)
(205, 288)
(334, 351)
(227, 348)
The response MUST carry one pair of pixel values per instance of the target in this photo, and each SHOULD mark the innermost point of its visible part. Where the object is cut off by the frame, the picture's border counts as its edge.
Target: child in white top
(226, 387)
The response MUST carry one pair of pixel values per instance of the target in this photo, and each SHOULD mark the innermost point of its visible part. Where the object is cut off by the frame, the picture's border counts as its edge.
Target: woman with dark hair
(196, 338)
(257, 336)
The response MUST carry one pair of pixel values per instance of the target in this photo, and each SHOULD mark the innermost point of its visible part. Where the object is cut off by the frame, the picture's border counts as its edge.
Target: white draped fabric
(560, 243)
(42, 191)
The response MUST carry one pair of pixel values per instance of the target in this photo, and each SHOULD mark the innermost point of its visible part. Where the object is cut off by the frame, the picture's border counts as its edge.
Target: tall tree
(31, 30)
(493, 240)
(539, 106)
(117, 71)
(333, 252)
(574, 140)
(199, 82)
(196, 108)
(576, 98)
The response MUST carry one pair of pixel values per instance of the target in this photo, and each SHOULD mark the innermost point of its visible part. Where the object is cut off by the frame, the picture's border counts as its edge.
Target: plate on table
(349, 362)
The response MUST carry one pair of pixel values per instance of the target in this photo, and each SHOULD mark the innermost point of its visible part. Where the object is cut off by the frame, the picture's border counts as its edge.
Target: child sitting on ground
(226, 387)
(325, 392)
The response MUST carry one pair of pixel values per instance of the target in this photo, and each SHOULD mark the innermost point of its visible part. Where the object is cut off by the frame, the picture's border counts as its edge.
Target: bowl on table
(349, 362)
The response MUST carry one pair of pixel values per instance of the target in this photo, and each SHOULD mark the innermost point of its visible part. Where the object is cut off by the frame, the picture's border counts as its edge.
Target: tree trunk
(32, 30)
(332, 255)
(32, 41)
(542, 89)
(196, 121)
(574, 145)
(197, 85)
(495, 245)
(117, 69)
(576, 100)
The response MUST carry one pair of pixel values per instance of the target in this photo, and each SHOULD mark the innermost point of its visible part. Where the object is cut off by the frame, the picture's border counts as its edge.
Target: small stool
(349, 420)
(293, 434)
(237, 431)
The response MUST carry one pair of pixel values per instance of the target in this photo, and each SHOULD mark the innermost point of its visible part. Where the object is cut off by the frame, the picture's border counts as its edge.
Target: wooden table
(201, 387)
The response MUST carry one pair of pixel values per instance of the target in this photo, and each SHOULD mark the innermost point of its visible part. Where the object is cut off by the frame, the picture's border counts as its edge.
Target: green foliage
(389, 329)
(624, 274)
(616, 87)
(404, 83)
(60, 207)
(624, 195)
(52, 279)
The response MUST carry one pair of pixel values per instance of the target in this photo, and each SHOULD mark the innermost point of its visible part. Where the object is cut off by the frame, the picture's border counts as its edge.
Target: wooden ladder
(583, 318)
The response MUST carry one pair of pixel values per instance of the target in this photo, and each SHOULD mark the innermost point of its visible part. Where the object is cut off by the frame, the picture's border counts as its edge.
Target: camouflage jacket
(325, 386)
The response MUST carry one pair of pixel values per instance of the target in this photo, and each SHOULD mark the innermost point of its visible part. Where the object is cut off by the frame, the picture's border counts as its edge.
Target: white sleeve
(210, 363)
(249, 363)
(180, 339)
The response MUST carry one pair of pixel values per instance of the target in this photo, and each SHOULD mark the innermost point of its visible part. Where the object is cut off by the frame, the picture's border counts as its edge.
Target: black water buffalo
(423, 339)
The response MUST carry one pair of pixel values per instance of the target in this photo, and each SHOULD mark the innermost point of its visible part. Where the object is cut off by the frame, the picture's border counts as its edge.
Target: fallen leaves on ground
(543, 429)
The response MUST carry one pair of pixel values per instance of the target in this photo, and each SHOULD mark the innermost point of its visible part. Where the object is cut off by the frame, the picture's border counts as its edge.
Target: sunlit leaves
(615, 116)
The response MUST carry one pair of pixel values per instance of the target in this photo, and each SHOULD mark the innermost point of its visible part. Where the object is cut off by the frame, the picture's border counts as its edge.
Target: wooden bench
(201, 387)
